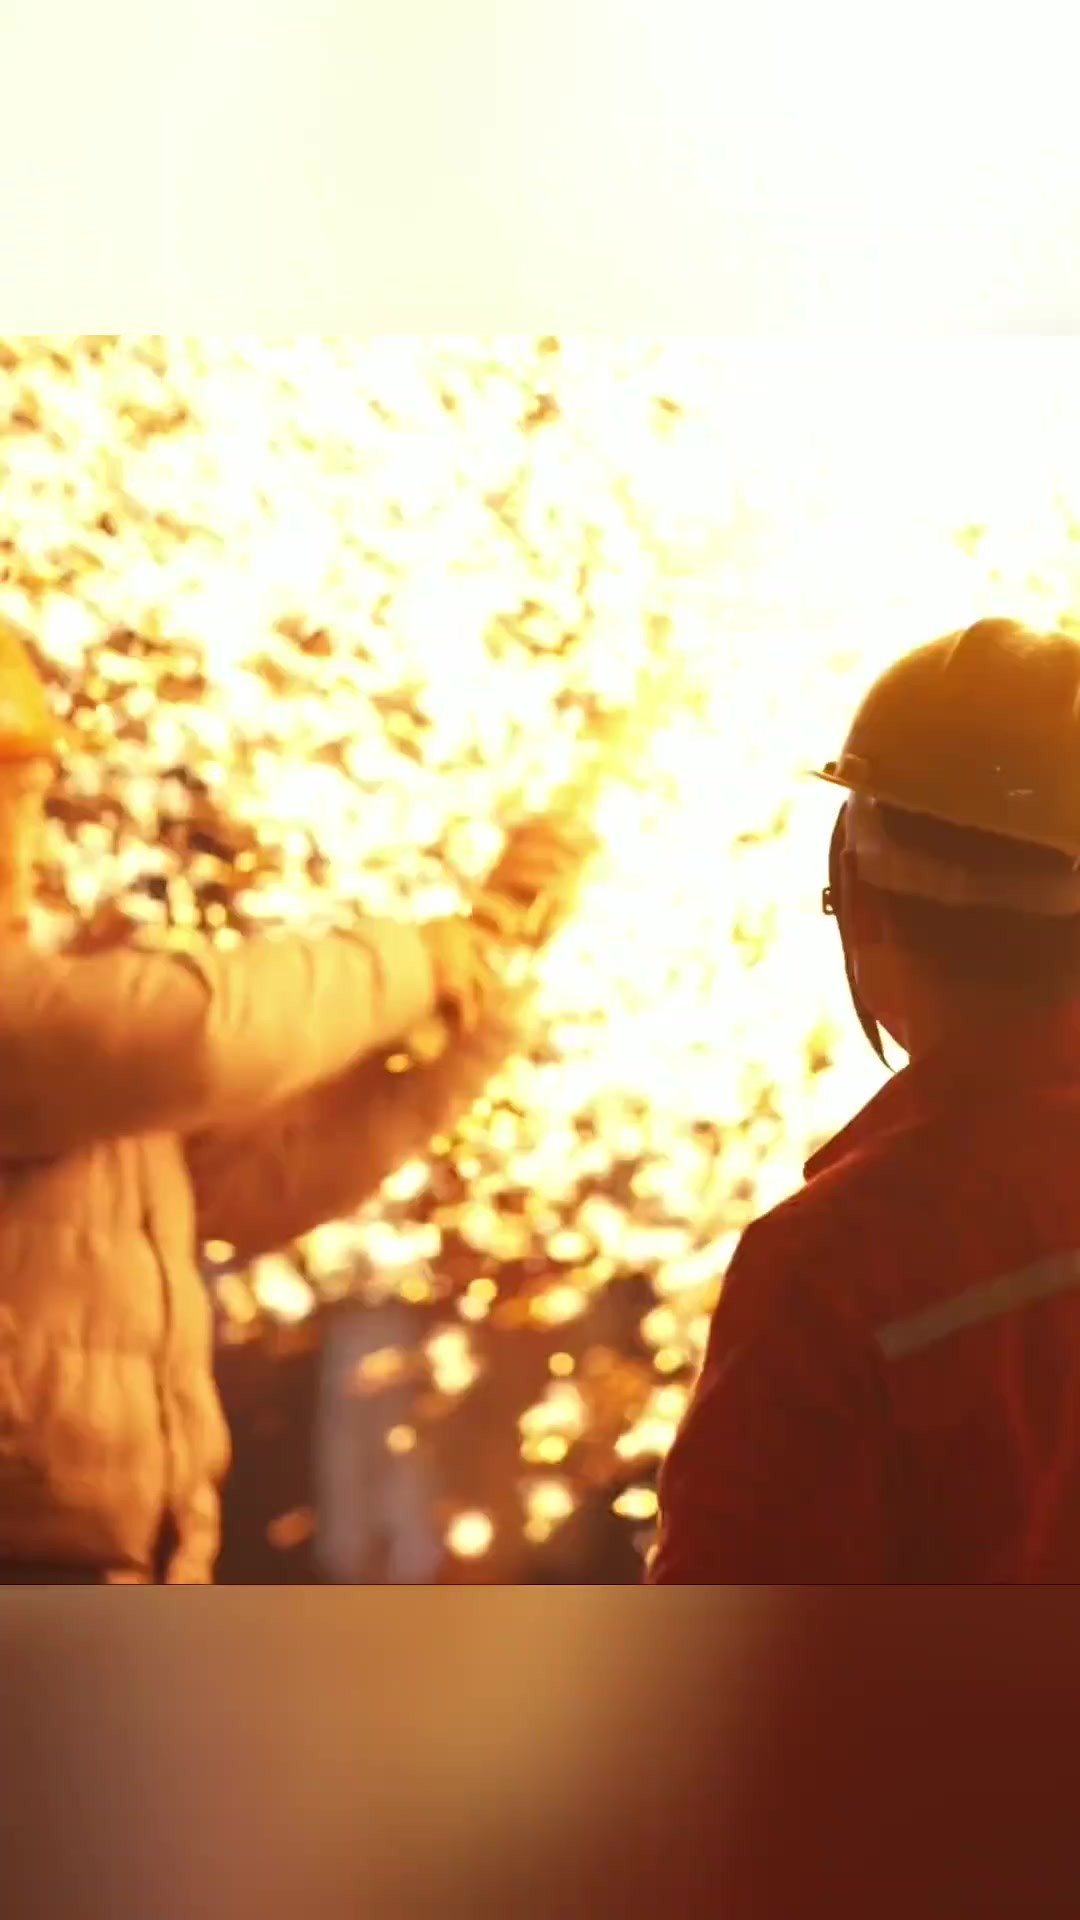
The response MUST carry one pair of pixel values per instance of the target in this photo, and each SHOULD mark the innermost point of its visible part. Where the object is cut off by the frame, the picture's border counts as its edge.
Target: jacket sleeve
(319, 1156)
(132, 1042)
(782, 1471)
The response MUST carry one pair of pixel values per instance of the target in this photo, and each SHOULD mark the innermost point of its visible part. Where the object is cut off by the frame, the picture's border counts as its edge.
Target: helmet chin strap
(863, 1014)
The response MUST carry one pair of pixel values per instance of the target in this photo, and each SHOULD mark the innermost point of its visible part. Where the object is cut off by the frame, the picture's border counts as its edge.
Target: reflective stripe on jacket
(892, 1384)
(148, 1103)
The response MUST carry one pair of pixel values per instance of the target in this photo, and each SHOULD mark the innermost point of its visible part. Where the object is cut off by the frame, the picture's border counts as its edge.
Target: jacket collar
(1032, 1051)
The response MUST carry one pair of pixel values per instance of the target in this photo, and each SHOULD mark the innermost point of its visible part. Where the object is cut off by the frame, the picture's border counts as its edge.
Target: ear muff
(866, 1020)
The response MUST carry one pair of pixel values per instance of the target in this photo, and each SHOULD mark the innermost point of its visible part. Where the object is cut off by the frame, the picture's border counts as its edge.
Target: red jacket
(891, 1390)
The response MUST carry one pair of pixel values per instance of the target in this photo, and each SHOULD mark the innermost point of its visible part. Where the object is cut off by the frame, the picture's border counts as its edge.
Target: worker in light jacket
(150, 1101)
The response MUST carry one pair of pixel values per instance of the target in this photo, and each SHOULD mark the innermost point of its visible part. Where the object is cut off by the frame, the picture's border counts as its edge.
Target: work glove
(109, 927)
(531, 892)
(460, 958)
(533, 888)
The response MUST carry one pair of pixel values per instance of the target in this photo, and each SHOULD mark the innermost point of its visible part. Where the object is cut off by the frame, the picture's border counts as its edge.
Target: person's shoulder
(836, 1235)
(819, 1204)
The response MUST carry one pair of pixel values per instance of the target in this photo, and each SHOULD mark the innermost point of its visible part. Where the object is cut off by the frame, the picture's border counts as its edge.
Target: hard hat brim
(955, 815)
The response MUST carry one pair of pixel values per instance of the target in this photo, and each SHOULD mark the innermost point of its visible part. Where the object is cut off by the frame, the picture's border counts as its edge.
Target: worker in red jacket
(891, 1390)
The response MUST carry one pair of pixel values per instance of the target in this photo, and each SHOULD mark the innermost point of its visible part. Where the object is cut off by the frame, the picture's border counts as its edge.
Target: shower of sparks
(330, 612)
(470, 1535)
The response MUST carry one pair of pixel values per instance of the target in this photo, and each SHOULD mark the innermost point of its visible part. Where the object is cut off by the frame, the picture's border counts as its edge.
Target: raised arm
(261, 1184)
(129, 1042)
(320, 1155)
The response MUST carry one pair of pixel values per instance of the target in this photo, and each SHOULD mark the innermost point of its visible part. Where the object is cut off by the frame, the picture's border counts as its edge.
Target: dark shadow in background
(271, 1390)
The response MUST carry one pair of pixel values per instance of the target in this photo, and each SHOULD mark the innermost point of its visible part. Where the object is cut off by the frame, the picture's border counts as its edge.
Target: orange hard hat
(29, 729)
(980, 729)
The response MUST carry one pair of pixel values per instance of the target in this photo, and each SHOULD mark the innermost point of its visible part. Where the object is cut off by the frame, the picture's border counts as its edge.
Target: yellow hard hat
(29, 730)
(980, 729)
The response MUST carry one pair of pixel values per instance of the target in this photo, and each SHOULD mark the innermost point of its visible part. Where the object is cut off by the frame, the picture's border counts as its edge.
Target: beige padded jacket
(148, 1103)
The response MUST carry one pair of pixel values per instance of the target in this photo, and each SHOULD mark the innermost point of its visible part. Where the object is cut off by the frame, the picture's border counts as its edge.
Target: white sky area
(485, 165)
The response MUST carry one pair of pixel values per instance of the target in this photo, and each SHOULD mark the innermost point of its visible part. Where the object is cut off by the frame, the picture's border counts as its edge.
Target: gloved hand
(464, 975)
(109, 927)
(531, 891)
(534, 886)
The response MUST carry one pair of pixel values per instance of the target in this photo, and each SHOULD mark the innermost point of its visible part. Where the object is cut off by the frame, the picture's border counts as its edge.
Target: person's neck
(937, 1023)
